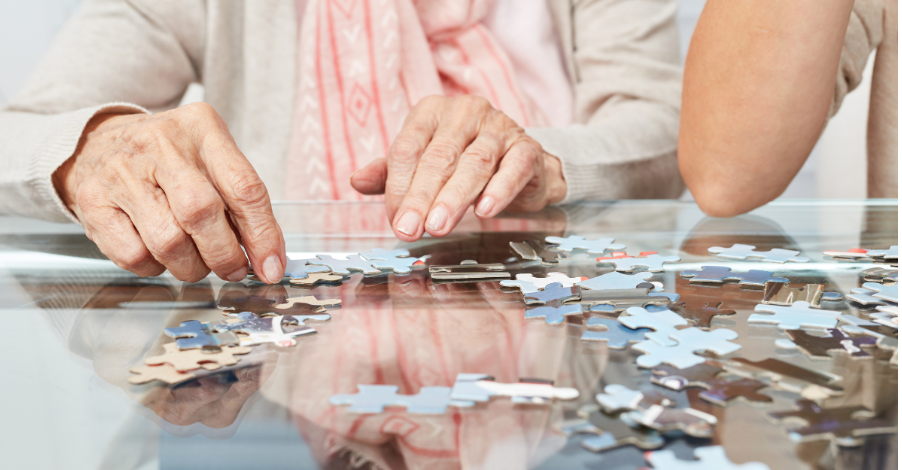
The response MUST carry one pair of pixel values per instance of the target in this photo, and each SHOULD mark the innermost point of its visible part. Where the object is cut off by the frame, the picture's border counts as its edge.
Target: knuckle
(405, 150)
(198, 208)
(167, 241)
(134, 258)
(482, 159)
(249, 189)
(475, 101)
(441, 156)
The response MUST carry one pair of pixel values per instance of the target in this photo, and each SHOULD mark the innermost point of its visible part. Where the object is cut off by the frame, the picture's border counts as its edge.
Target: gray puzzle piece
(739, 251)
(481, 388)
(528, 284)
(799, 315)
(193, 334)
(874, 293)
(617, 335)
(553, 308)
(345, 266)
(574, 242)
(663, 321)
(653, 263)
(615, 280)
(709, 458)
(299, 269)
(397, 261)
(683, 354)
(891, 253)
(617, 398)
(374, 399)
(719, 274)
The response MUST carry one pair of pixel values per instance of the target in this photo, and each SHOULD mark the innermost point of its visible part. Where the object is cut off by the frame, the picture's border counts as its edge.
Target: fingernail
(485, 206)
(409, 223)
(437, 219)
(238, 275)
(272, 269)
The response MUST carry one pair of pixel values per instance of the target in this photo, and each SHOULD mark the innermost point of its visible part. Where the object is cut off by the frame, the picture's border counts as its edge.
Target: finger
(474, 169)
(116, 237)
(370, 179)
(408, 147)
(148, 208)
(200, 212)
(438, 162)
(244, 194)
(521, 166)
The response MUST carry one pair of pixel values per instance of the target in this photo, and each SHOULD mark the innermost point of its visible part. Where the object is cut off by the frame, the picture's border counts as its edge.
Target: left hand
(452, 151)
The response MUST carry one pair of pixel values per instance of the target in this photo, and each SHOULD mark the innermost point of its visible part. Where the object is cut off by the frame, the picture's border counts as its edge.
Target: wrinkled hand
(172, 191)
(451, 151)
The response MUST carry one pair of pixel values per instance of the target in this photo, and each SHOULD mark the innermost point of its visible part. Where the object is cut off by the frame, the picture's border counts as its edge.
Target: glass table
(75, 324)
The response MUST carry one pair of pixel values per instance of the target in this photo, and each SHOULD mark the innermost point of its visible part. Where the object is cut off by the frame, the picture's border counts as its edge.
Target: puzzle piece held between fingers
(397, 261)
(741, 252)
(719, 274)
(573, 242)
(299, 269)
(616, 334)
(651, 261)
(709, 458)
(683, 354)
(664, 322)
(799, 315)
(481, 387)
(374, 399)
(837, 424)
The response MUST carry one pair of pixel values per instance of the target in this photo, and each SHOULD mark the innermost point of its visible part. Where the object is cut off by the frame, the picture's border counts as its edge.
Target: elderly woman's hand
(172, 190)
(452, 151)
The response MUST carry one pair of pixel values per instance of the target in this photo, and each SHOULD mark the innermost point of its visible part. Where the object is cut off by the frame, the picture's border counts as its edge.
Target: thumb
(370, 179)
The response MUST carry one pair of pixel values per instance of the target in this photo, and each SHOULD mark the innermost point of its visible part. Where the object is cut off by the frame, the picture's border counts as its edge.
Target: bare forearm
(757, 88)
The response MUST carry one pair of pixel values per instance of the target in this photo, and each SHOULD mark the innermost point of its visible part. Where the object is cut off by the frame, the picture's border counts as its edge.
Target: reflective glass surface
(75, 324)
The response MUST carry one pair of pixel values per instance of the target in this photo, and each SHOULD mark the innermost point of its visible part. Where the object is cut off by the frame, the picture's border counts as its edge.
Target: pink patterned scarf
(364, 63)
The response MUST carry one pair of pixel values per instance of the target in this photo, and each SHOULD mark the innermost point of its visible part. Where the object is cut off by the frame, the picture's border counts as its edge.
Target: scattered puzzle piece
(164, 373)
(709, 458)
(719, 274)
(852, 254)
(664, 322)
(615, 280)
(781, 293)
(891, 253)
(619, 398)
(719, 391)
(837, 424)
(649, 260)
(481, 387)
(688, 420)
(875, 293)
(799, 315)
(618, 300)
(527, 283)
(775, 255)
(313, 279)
(299, 269)
(699, 312)
(609, 432)
(537, 250)
(552, 308)
(837, 340)
(699, 375)
(374, 399)
(724, 392)
(192, 359)
(615, 334)
(573, 242)
(683, 354)
(469, 271)
(881, 274)
(309, 300)
(809, 383)
(269, 330)
(194, 334)
(397, 261)
(345, 266)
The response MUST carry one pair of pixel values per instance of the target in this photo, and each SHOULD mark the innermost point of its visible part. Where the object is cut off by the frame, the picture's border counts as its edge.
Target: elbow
(721, 193)
(718, 203)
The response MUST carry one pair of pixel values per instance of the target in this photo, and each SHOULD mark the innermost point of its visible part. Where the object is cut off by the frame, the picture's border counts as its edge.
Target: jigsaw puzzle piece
(192, 359)
(619, 398)
(194, 334)
(481, 387)
(741, 252)
(345, 266)
(651, 261)
(553, 307)
(799, 315)
(809, 383)
(615, 334)
(312, 279)
(536, 250)
(663, 321)
(709, 458)
(299, 269)
(724, 392)
(688, 341)
(528, 284)
(699, 312)
(397, 261)
(375, 398)
(781, 293)
(469, 271)
(607, 432)
(818, 347)
(165, 373)
(891, 253)
(719, 274)
(844, 425)
(267, 330)
(615, 280)
(888, 293)
(688, 420)
(573, 242)
(699, 375)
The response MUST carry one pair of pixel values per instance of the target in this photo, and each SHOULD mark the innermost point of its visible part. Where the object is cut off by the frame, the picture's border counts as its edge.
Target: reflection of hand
(450, 151)
(172, 191)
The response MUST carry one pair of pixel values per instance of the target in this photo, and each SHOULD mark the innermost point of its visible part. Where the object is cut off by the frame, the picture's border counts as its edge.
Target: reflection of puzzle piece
(615, 280)
(709, 458)
(309, 300)
(724, 392)
(194, 334)
(837, 340)
(192, 359)
(345, 266)
(527, 283)
(683, 354)
(374, 399)
(775, 255)
(719, 274)
(699, 375)
(881, 274)
(718, 391)
(809, 383)
(688, 420)
(619, 398)
(891, 253)
(651, 261)
(481, 387)
(799, 315)
(269, 330)
(573, 242)
(839, 424)
(609, 432)
(397, 261)
(664, 322)
(164, 373)
(618, 300)
(616, 335)
(469, 271)
(537, 250)
(326, 277)
(699, 312)
(553, 308)
(875, 293)
(781, 293)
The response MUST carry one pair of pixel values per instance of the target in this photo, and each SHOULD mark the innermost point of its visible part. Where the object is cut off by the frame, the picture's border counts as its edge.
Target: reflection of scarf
(364, 63)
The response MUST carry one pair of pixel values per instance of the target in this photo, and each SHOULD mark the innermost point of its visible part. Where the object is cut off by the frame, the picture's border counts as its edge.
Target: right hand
(172, 191)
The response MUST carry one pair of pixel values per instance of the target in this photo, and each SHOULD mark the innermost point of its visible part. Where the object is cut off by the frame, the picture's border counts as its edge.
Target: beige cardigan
(622, 57)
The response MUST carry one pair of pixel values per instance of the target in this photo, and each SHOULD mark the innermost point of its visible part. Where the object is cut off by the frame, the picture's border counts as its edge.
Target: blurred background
(836, 168)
